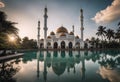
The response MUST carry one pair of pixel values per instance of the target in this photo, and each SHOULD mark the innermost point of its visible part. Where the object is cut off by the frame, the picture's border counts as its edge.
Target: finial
(46, 8)
(81, 10)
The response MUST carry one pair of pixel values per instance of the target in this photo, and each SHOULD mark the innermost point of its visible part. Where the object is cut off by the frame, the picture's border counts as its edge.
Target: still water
(63, 66)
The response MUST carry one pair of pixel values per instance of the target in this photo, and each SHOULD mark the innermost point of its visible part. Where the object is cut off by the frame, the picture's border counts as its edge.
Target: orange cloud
(111, 13)
(2, 4)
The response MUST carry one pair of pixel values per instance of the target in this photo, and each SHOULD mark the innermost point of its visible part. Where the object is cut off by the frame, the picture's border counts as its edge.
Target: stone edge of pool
(9, 57)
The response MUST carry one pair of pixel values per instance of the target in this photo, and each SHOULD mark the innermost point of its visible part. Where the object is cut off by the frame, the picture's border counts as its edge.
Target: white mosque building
(62, 39)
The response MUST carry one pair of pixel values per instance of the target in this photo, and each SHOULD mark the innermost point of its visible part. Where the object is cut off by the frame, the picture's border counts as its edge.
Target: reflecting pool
(63, 66)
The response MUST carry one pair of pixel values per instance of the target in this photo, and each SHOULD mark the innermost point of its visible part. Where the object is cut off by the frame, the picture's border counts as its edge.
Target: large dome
(62, 30)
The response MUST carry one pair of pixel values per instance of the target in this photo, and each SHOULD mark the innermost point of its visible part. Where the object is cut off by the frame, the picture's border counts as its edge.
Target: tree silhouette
(110, 34)
(6, 28)
(101, 32)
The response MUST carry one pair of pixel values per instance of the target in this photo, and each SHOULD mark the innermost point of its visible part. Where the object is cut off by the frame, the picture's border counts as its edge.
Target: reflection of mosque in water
(66, 61)
(60, 61)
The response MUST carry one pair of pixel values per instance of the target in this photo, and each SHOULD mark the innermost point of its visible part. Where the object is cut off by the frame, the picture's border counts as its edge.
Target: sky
(61, 13)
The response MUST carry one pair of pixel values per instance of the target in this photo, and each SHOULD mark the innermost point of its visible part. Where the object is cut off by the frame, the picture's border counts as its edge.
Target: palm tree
(118, 33)
(110, 34)
(93, 42)
(6, 28)
(97, 42)
(101, 32)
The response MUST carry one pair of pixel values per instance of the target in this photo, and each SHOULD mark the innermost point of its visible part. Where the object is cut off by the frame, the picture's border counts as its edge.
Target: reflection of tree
(108, 63)
(110, 59)
(7, 71)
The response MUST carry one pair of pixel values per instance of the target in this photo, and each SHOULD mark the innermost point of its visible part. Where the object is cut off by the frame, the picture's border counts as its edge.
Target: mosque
(62, 39)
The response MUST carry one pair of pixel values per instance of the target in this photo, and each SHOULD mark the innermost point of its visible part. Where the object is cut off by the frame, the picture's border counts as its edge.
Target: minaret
(82, 28)
(45, 27)
(73, 28)
(38, 37)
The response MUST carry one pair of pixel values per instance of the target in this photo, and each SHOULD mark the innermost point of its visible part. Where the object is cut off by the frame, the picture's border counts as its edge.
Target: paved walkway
(4, 58)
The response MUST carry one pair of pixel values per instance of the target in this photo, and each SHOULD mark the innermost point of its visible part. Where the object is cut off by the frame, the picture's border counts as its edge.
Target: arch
(70, 45)
(48, 45)
(86, 45)
(55, 45)
(63, 45)
(41, 45)
(77, 44)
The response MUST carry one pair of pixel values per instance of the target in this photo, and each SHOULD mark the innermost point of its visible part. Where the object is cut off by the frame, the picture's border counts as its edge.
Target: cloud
(112, 75)
(111, 13)
(2, 4)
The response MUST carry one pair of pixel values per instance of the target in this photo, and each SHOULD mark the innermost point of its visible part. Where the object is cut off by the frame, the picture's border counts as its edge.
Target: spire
(82, 28)
(38, 34)
(45, 10)
(45, 26)
(73, 28)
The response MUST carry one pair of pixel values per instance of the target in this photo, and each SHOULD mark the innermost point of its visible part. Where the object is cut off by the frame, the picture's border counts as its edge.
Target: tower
(82, 28)
(45, 27)
(38, 37)
(73, 28)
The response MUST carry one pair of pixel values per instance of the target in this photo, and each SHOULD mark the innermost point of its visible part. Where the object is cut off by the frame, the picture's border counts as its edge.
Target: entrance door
(55, 45)
(62, 45)
(70, 45)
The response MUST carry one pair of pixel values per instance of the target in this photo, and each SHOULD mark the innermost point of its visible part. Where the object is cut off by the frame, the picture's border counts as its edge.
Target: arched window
(77, 44)
(86, 45)
(48, 44)
(41, 45)
(55, 45)
(70, 45)
(62, 45)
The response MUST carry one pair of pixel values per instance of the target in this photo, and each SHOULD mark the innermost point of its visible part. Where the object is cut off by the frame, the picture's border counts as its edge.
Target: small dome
(62, 30)
(52, 33)
(71, 33)
(49, 37)
(63, 34)
(77, 37)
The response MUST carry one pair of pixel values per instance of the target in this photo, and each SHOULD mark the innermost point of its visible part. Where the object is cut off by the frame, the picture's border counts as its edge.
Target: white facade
(62, 39)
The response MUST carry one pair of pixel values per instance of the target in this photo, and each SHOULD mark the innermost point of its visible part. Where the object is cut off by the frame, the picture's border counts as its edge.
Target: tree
(101, 32)
(97, 41)
(6, 28)
(117, 35)
(110, 34)
(92, 41)
(29, 43)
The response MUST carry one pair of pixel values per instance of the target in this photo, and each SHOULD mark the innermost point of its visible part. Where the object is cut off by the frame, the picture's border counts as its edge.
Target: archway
(48, 45)
(77, 45)
(86, 45)
(41, 45)
(70, 45)
(55, 45)
(62, 45)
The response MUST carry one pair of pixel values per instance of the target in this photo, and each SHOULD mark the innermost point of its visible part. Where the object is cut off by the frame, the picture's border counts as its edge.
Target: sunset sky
(62, 12)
